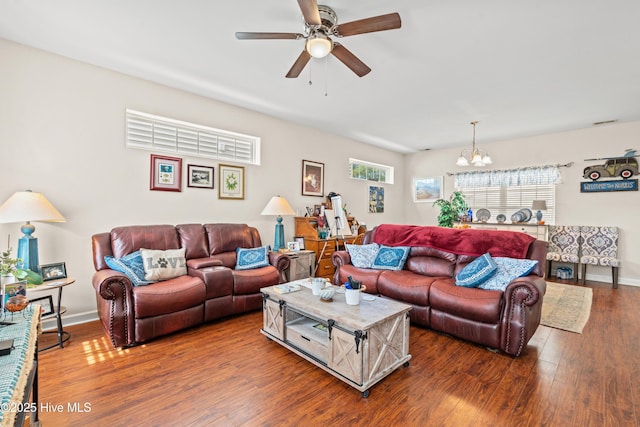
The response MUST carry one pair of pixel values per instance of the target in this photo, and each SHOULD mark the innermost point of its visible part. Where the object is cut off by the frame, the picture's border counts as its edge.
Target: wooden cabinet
(307, 227)
(535, 230)
(301, 265)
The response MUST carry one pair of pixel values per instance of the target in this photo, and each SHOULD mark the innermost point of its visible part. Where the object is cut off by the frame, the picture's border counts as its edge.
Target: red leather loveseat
(211, 288)
(501, 319)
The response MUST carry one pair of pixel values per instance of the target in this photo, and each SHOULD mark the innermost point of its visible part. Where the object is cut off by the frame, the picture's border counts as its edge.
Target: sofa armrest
(522, 312)
(339, 258)
(115, 306)
(281, 262)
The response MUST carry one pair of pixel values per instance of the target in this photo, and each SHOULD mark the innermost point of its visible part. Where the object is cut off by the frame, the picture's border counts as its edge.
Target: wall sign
(606, 186)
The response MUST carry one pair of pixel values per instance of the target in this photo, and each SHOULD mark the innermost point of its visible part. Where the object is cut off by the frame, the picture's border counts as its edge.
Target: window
(506, 192)
(149, 132)
(359, 169)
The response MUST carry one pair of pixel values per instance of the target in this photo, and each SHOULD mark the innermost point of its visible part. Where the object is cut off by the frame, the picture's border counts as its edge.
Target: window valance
(533, 175)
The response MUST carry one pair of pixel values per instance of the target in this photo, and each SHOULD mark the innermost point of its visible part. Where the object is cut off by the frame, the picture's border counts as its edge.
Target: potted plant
(9, 271)
(450, 210)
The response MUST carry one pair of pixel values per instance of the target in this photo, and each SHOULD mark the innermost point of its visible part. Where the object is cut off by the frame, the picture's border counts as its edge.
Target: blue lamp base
(28, 253)
(278, 241)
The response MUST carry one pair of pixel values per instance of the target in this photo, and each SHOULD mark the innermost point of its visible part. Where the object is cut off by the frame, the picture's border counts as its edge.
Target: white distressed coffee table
(359, 344)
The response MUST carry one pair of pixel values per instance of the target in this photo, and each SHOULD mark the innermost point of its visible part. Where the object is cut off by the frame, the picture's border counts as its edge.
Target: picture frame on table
(46, 302)
(312, 178)
(427, 189)
(231, 182)
(10, 290)
(199, 176)
(54, 271)
(300, 240)
(166, 173)
(293, 246)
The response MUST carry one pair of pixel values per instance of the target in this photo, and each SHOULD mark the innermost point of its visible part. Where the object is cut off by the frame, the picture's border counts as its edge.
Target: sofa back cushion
(229, 237)
(125, 240)
(431, 262)
(194, 239)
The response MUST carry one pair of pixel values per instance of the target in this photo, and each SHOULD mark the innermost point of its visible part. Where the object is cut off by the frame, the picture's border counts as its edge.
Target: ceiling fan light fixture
(319, 45)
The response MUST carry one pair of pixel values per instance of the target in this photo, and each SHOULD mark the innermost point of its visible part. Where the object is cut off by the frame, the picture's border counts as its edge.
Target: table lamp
(28, 206)
(539, 205)
(278, 206)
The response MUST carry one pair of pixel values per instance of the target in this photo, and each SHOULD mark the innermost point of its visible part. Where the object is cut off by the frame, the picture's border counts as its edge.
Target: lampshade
(28, 206)
(318, 45)
(278, 206)
(539, 205)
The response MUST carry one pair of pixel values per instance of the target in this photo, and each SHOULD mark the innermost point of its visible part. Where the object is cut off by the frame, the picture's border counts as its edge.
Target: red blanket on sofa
(510, 244)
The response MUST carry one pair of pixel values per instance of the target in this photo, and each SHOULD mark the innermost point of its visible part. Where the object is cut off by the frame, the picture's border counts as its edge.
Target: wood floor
(228, 374)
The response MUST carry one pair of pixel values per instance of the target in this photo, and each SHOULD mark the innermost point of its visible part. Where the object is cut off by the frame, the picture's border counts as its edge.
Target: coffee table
(359, 344)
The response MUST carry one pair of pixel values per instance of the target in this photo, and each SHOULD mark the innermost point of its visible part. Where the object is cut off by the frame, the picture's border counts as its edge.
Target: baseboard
(68, 320)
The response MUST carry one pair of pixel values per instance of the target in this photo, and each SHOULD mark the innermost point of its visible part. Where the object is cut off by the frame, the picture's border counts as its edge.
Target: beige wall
(62, 133)
(573, 208)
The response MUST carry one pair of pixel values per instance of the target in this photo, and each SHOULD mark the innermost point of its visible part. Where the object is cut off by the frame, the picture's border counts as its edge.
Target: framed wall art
(312, 178)
(166, 173)
(427, 189)
(231, 182)
(199, 176)
(54, 271)
(376, 199)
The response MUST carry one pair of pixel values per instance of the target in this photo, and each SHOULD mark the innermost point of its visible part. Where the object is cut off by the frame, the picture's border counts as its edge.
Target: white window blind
(149, 132)
(506, 192)
(359, 169)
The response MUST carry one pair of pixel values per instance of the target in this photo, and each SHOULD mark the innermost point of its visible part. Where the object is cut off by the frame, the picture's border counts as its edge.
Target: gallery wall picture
(427, 189)
(376, 199)
(312, 178)
(199, 176)
(166, 173)
(231, 185)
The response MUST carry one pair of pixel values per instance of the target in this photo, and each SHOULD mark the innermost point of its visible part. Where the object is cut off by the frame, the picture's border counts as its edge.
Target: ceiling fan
(321, 22)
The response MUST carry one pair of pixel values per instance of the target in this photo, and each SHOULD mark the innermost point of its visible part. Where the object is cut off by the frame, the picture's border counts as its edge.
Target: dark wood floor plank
(228, 374)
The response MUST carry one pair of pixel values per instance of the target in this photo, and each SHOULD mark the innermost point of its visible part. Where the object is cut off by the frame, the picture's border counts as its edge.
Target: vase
(6, 279)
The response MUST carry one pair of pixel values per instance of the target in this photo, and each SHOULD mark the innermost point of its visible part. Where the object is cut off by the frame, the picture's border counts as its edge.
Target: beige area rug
(566, 307)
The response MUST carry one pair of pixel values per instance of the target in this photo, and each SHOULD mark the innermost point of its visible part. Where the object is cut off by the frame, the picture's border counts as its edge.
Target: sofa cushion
(248, 259)
(248, 282)
(362, 256)
(391, 257)
(405, 286)
(508, 270)
(468, 303)
(168, 296)
(125, 240)
(476, 272)
(163, 265)
(130, 265)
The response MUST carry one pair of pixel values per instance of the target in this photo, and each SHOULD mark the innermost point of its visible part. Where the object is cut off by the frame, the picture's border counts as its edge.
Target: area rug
(566, 307)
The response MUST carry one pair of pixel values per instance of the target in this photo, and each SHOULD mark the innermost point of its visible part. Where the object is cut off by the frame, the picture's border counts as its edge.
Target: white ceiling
(519, 67)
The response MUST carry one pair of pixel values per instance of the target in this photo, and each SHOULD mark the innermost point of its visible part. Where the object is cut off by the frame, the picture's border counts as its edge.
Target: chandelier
(475, 156)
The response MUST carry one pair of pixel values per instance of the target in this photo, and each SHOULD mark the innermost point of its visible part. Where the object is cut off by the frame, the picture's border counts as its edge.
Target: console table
(19, 369)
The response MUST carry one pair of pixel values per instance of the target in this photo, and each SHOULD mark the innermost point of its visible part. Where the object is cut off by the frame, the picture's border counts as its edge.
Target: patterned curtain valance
(534, 175)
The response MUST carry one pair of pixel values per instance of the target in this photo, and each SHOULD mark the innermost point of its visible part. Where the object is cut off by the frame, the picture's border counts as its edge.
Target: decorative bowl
(327, 293)
(17, 303)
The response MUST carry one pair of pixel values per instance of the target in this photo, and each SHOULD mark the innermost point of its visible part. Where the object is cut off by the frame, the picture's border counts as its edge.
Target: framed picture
(312, 178)
(54, 271)
(12, 289)
(199, 176)
(46, 303)
(293, 246)
(300, 241)
(376, 199)
(427, 189)
(166, 173)
(231, 182)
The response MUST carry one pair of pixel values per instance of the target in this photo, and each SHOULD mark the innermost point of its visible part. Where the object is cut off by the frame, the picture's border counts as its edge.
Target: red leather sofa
(503, 320)
(210, 290)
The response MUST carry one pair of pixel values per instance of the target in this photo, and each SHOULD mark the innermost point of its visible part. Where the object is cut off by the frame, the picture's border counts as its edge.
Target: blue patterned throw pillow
(130, 265)
(508, 270)
(391, 258)
(252, 258)
(476, 272)
(362, 256)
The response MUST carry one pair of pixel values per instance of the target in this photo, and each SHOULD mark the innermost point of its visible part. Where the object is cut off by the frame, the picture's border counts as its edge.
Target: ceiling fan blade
(310, 11)
(299, 65)
(267, 36)
(390, 21)
(350, 60)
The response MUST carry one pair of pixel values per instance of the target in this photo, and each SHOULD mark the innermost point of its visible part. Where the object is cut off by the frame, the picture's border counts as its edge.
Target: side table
(301, 264)
(58, 309)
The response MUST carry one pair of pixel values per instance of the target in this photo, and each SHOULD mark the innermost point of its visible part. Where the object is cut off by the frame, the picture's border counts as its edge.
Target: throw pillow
(131, 266)
(252, 258)
(391, 257)
(476, 272)
(163, 265)
(508, 270)
(362, 256)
